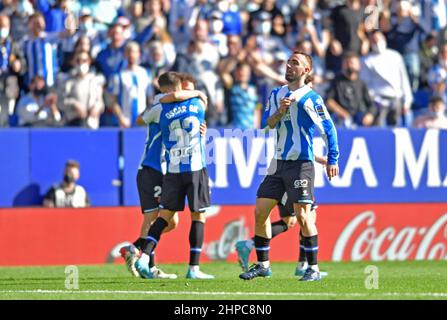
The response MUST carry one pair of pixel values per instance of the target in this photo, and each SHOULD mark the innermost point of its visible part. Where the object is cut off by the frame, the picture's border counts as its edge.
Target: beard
(292, 77)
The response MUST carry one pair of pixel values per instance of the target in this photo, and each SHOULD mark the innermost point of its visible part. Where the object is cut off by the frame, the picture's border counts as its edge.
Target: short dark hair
(350, 54)
(187, 77)
(435, 100)
(169, 79)
(309, 78)
(72, 163)
(306, 56)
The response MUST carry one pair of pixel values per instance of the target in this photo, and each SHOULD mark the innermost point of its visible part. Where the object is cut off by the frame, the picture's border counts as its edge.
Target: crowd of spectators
(92, 63)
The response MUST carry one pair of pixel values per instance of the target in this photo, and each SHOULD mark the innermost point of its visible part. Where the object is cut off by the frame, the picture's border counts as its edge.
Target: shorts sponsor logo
(300, 183)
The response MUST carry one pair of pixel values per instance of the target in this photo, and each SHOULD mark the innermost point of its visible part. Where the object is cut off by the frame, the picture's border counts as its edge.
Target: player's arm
(321, 160)
(317, 111)
(184, 95)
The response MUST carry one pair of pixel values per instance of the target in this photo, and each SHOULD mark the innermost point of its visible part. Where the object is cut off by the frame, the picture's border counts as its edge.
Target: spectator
(201, 60)
(153, 13)
(348, 32)
(403, 33)
(80, 95)
(38, 107)
(40, 51)
(348, 97)
(130, 89)
(435, 118)
(428, 56)
(437, 77)
(111, 59)
(267, 7)
(232, 20)
(244, 100)
(22, 10)
(385, 75)
(217, 38)
(67, 194)
(181, 23)
(55, 14)
(155, 60)
(11, 62)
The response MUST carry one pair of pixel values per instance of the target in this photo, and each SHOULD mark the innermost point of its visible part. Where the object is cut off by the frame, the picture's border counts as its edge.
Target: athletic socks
(311, 250)
(153, 235)
(302, 256)
(278, 227)
(139, 243)
(152, 259)
(196, 235)
(262, 246)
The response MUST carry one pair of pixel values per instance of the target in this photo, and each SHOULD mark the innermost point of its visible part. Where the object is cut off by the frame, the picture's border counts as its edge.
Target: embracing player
(186, 175)
(150, 174)
(295, 112)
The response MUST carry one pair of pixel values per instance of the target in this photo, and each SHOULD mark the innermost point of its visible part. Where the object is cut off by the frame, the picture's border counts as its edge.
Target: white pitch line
(298, 294)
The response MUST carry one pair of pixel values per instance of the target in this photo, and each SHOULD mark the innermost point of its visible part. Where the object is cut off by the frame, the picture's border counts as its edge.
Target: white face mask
(83, 68)
(217, 26)
(265, 27)
(4, 33)
(223, 6)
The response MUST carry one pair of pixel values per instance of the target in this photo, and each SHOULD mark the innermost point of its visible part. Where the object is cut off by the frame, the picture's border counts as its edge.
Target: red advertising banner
(38, 236)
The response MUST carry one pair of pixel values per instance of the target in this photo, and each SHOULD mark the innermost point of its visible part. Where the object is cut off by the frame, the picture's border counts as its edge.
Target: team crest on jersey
(320, 110)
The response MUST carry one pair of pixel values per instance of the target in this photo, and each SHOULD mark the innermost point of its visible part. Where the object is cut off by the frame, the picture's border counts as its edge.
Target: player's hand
(204, 98)
(203, 128)
(284, 105)
(332, 171)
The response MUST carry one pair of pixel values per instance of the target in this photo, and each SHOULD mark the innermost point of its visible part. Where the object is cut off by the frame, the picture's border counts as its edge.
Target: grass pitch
(396, 280)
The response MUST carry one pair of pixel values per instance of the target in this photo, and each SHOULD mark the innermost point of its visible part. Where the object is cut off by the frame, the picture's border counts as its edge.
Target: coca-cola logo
(391, 243)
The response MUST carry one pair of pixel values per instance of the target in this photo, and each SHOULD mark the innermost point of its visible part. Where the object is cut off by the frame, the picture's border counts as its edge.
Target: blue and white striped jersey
(153, 150)
(180, 129)
(294, 133)
(132, 87)
(41, 58)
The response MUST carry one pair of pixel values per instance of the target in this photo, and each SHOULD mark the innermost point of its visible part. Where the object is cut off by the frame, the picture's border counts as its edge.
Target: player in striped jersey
(295, 111)
(186, 176)
(150, 175)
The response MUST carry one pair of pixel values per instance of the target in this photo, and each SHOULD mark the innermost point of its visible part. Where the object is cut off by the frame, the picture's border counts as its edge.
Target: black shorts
(149, 184)
(294, 177)
(194, 185)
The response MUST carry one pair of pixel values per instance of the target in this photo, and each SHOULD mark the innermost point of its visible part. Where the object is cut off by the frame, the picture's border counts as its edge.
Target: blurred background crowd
(92, 63)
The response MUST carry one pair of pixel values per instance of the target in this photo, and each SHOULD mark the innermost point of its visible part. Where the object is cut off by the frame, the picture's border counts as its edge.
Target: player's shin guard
(262, 246)
(153, 235)
(311, 249)
(278, 227)
(196, 235)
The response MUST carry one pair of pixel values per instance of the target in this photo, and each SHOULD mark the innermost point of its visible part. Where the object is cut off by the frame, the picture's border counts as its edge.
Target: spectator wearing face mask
(437, 77)
(428, 55)
(11, 62)
(384, 72)
(246, 113)
(403, 34)
(80, 95)
(22, 10)
(435, 118)
(217, 38)
(38, 107)
(348, 97)
(67, 194)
